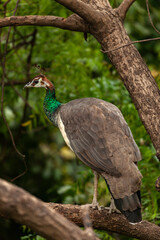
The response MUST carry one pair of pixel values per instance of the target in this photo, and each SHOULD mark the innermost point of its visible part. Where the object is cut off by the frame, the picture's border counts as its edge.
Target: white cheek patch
(40, 83)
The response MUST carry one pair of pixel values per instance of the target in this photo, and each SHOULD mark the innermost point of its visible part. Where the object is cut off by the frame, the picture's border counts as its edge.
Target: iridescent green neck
(50, 104)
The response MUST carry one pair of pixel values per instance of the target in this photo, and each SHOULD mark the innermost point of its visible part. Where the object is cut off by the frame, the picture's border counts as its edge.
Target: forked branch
(124, 7)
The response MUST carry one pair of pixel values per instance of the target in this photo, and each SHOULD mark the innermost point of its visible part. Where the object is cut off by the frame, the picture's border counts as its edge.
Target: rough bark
(102, 219)
(17, 204)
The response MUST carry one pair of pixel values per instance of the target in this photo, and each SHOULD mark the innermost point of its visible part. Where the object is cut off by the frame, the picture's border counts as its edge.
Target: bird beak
(28, 85)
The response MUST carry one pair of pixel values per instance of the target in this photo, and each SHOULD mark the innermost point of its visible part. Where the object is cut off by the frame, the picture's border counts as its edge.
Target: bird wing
(100, 137)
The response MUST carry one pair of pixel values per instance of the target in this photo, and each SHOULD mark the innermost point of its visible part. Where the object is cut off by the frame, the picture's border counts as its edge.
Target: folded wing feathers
(101, 138)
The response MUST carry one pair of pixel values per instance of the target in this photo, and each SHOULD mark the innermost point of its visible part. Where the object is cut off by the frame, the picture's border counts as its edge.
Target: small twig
(23, 173)
(128, 44)
(5, 7)
(5, 4)
(7, 11)
(21, 37)
(149, 15)
(16, 47)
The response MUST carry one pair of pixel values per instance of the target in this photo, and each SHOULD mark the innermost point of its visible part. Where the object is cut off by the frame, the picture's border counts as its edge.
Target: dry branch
(124, 7)
(109, 222)
(17, 204)
(73, 22)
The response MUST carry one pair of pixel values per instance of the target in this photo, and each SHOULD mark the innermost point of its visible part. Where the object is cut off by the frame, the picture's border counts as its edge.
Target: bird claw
(112, 208)
(94, 206)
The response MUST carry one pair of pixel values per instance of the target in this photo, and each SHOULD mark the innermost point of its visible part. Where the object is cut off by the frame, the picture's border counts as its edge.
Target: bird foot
(95, 206)
(112, 208)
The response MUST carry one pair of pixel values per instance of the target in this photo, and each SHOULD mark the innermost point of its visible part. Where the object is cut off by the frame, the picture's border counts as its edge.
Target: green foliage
(29, 235)
(78, 69)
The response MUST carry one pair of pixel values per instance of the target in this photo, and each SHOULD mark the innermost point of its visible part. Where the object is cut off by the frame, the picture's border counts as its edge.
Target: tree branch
(109, 221)
(124, 7)
(17, 204)
(85, 11)
(73, 22)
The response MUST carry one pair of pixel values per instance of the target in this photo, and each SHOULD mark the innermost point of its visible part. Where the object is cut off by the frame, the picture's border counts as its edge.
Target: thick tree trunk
(134, 73)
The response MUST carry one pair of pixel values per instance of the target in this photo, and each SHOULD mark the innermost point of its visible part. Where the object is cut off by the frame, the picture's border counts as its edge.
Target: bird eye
(36, 81)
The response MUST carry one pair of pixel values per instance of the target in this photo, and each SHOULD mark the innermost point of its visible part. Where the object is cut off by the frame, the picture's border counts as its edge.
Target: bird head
(40, 81)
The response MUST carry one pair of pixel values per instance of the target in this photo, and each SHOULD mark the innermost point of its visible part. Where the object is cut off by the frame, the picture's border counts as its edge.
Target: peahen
(97, 133)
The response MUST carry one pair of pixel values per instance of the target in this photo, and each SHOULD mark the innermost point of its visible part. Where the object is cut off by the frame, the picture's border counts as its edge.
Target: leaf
(64, 189)
(25, 124)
